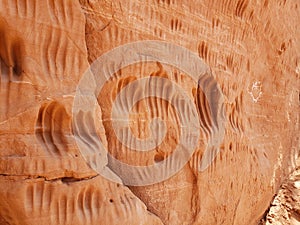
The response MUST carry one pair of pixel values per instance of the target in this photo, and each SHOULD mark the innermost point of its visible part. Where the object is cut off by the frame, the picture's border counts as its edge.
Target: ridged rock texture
(252, 49)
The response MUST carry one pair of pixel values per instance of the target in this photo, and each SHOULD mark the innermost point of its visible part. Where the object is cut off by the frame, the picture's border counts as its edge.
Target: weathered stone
(249, 49)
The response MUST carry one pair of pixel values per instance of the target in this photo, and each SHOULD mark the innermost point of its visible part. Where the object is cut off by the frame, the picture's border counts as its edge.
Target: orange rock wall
(252, 49)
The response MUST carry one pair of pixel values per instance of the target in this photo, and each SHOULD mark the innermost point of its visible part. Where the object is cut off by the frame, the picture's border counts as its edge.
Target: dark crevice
(67, 179)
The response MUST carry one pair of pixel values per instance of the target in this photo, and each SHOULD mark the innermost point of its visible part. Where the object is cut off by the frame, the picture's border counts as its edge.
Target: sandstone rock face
(58, 151)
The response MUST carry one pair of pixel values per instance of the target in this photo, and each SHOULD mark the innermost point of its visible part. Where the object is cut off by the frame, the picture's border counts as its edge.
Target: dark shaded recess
(51, 126)
(12, 48)
(202, 104)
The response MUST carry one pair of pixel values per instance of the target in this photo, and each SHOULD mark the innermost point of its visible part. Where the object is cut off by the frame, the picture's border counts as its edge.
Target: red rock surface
(252, 51)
